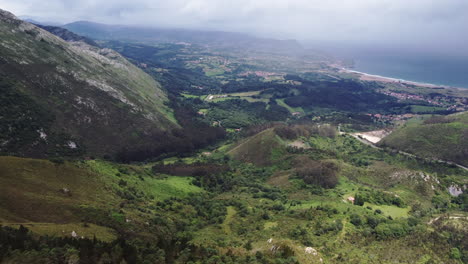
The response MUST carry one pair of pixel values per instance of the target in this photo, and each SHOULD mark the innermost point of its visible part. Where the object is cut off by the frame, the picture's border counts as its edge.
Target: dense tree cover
(321, 173)
(305, 130)
(377, 197)
(342, 95)
(20, 246)
(194, 169)
(237, 113)
(462, 201)
(192, 135)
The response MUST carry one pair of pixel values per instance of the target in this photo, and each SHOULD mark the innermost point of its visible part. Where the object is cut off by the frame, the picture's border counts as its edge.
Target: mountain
(67, 35)
(439, 137)
(240, 162)
(39, 21)
(261, 149)
(217, 39)
(71, 98)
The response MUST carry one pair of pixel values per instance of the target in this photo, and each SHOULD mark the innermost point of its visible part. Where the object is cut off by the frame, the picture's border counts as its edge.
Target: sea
(426, 68)
(439, 68)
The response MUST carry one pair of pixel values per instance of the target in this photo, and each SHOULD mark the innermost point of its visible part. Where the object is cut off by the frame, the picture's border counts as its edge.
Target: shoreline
(373, 77)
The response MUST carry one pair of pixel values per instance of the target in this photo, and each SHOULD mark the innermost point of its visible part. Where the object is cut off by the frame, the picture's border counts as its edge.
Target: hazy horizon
(427, 25)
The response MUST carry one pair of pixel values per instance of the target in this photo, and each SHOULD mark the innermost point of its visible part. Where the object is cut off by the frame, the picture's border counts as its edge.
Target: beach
(377, 78)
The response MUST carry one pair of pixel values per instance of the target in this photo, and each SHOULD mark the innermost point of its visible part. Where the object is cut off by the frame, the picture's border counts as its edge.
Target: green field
(172, 186)
(388, 210)
(291, 109)
(425, 109)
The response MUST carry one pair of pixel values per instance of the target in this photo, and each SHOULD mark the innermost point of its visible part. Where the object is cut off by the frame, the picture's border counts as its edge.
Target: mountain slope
(261, 149)
(69, 98)
(443, 138)
(67, 35)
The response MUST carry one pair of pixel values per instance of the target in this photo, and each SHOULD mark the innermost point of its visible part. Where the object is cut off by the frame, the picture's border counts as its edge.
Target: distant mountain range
(38, 21)
(216, 39)
(67, 35)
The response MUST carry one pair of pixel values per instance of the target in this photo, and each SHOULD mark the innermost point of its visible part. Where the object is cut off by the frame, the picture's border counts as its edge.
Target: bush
(356, 220)
(377, 197)
(455, 253)
(305, 130)
(391, 230)
(122, 183)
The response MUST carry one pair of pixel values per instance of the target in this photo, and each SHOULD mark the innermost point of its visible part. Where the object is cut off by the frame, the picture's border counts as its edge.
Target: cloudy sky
(423, 23)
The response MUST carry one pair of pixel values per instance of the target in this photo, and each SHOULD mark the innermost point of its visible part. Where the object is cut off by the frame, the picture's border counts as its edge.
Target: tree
(323, 173)
(455, 253)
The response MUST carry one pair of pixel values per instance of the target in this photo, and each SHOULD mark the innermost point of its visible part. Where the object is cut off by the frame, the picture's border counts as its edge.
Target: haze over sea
(411, 65)
(427, 68)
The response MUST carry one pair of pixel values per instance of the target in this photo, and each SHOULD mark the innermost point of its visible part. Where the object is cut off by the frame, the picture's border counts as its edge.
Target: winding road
(367, 142)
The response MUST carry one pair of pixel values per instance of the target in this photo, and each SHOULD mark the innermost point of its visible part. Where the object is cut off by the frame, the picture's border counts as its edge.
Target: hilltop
(438, 137)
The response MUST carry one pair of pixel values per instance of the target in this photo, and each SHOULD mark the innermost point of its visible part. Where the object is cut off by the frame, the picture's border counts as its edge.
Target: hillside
(261, 149)
(441, 137)
(129, 145)
(70, 98)
(286, 211)
(67, 35)
(50, 197)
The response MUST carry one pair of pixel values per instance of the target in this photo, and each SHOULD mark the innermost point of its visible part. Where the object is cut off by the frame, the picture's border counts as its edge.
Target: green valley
(146, 145)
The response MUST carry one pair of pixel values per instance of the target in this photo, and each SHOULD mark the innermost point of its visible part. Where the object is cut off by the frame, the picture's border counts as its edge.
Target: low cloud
(425, 23)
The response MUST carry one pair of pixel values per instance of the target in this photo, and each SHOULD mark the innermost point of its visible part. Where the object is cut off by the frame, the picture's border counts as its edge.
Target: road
(366, 142)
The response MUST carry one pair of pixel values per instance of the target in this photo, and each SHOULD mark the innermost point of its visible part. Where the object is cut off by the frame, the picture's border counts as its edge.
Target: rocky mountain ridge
(75, 92)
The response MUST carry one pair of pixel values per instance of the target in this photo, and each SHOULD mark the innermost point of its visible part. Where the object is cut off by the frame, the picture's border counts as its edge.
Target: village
(456, 104)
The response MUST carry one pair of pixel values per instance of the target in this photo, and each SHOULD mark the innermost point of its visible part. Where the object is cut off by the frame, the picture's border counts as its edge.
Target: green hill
(70, 98)
(443, 138)
(238, 214)
(52, 195)
(286, 192)
(261, 149)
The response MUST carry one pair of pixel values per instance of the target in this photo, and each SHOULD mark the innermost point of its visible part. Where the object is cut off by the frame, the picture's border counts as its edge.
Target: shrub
(392, 229)
(305, 130)
(356, 220)
(122, 183)
(455, 253)
(377, 197)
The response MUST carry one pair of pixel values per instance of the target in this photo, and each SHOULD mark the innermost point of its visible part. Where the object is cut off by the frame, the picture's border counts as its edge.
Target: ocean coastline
(379, 78)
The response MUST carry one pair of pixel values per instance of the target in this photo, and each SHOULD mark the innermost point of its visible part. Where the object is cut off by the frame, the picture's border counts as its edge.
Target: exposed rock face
(456, 190)
(69, 90)
(68, 35)
(8, 17)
